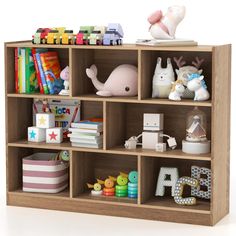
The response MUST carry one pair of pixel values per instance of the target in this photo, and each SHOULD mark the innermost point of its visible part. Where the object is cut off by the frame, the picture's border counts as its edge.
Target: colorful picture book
(87, 133)
(37, 70)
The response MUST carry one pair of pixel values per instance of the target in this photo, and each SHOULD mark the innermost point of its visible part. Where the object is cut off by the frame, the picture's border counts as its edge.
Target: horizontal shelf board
(94, 97)
(63, 194)
(37, 95)
(165, 203)
(200, 48)
(104, 199)
(177, 153)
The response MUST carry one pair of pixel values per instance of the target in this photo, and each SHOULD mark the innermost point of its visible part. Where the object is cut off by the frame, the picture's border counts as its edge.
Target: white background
(208, 22)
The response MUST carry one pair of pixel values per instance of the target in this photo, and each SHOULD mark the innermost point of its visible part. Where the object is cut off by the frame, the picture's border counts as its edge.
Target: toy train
(87, 35)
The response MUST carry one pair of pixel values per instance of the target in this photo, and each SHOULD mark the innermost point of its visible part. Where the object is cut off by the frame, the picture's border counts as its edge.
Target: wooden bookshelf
(122, 119)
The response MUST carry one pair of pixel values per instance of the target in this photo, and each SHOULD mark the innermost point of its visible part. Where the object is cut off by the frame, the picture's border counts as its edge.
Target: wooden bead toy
(96, 189)
(36, 134)
(54, 135)
(109, 189)
(133, 184)
(122, 187)
(179, 188)
(45, 120)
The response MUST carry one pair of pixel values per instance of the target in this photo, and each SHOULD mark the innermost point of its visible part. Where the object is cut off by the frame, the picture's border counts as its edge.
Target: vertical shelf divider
(139, 74)
(139, 179)
(104, 125)
(71, 71)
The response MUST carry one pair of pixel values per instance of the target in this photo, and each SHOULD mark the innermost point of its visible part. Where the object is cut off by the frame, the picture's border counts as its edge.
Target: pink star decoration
(53, 136)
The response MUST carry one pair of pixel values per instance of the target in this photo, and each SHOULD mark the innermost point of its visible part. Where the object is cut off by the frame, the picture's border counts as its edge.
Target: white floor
(17, 221)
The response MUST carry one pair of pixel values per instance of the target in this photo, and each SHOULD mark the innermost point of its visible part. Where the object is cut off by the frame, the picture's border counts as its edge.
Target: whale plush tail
(92, 74)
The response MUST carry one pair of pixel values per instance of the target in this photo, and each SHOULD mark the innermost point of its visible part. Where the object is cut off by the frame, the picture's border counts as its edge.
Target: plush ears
(155, 17)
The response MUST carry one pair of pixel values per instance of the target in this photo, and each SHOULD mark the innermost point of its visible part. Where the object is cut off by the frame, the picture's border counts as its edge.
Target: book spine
(27, 71)
(23, 70)
(16, 71)
(20, 71)
(37, 72)
(42, 76)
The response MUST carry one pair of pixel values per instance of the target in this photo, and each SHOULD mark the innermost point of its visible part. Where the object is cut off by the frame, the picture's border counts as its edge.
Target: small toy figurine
(64, 155)
(65, 76)
(196, 140)
(123, 81)
(40, 36)
(52, 36)
(95, 38)
(113, 34)
(133, 184)
(177, 90)
(164, 26)
(162, 79)
(96, 189)
(82, 36)
(184, 71)
(67, 37)
(122, 187)
(196, 83)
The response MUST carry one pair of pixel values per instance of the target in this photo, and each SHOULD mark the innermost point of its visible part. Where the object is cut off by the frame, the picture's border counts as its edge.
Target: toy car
(40, 36)
(67, 37)
(95, 38)
(113, 35)
(82, 36)
(61, 30)
(52, 36)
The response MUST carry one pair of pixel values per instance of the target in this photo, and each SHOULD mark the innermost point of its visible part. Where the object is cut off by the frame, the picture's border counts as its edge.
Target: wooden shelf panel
(63, 194)
(94, 97)
(202, 206)
(178, 154)
(104, 199)
(200, 48)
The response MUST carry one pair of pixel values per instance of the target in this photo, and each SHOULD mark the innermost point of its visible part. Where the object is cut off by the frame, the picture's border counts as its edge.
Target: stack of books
(37, 70)
(88, 134)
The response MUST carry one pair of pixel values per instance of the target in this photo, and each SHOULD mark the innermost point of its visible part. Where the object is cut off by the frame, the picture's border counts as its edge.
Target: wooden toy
(45, 120)
(177, 90)
(121, 187)
(65, 76)
(162, 79)
(113, 34)
(164, 26)
(64, 155)
(133, 184)
(196, 140)
(36, 134)
(161, 147)
(52, 36)
(40, 36)
(68, 37)
(82, 36)
(179, 187)
(109, 183)
(96, 36)
(167, 178)
(197, 84)
(123, 81)
(198, 173)
(96, 189)
(54, 135)
(184, 71)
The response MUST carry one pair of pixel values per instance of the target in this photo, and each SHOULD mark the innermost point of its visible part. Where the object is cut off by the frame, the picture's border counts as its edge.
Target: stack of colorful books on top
(88, 133)
(37, 70)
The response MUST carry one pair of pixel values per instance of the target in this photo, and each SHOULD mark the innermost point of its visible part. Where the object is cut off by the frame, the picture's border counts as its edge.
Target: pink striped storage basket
(42, 173)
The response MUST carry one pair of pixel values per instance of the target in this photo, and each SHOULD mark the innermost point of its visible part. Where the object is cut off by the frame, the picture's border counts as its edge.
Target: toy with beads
(133, 184)
(96, 189)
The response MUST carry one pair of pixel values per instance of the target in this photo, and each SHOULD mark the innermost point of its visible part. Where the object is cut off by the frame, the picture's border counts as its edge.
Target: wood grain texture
(221, 131)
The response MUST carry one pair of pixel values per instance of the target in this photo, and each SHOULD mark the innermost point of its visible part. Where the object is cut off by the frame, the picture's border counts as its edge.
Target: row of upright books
(88, 133)
(37, 70)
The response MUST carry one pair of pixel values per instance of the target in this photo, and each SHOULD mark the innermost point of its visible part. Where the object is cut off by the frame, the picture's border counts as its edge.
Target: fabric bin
(42, 173)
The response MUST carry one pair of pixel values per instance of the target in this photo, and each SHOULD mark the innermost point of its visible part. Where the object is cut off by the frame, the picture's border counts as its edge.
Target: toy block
(150, 139)
(45, 120)
(161, 147)
(54, 135)
(153, 122)
(36, 134)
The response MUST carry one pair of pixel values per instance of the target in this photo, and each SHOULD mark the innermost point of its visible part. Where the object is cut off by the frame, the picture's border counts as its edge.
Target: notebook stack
(88, 134)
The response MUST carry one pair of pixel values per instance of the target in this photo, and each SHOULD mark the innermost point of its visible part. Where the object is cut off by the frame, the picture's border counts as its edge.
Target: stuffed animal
(162, 79)
(164, 26)
(177, 90)
(65, 76)
(197, 84)
(123, 81)
(184, 71)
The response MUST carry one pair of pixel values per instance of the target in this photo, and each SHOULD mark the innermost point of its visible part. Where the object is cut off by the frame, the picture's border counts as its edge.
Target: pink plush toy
(123, 81)
(164, 26)
(65, 76)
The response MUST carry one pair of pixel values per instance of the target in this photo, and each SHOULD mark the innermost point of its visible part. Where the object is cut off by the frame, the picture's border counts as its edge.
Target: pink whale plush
(123, 81)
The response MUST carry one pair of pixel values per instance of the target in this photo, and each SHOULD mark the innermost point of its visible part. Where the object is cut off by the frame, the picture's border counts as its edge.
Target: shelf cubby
(123, 118)
(150, 168)
(88, 167)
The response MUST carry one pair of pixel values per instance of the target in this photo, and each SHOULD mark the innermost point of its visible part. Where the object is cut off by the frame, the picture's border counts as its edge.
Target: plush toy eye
(126, 89)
